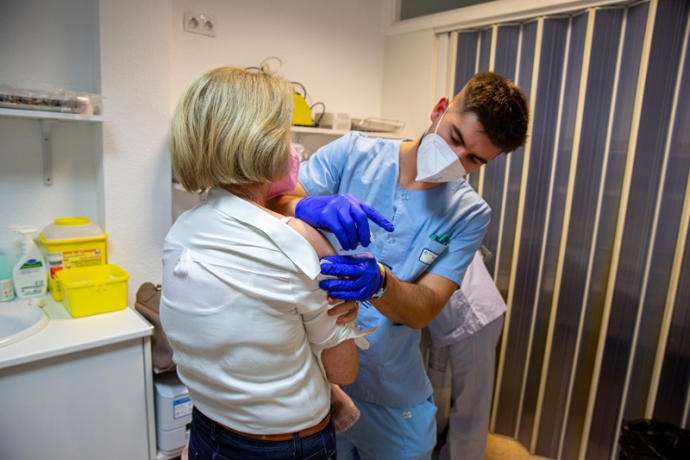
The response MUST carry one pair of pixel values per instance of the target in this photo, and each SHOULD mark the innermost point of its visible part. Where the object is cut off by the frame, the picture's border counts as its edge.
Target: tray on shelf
(72, 102)
(381, 125)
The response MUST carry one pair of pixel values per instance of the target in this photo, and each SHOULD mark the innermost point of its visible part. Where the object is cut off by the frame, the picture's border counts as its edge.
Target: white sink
(18, 320)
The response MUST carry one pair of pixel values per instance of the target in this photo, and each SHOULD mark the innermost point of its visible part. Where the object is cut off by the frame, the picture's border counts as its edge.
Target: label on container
(6, 290)
(182, 407)
(74, 259)
(31, 264)
(82, 258)
(55, 263)
(31, 290)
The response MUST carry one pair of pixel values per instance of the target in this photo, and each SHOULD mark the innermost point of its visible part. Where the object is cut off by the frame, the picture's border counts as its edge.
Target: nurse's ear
(439, 108)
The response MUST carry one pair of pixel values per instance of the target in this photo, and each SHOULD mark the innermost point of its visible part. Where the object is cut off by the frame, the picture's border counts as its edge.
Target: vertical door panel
(635, 20)
(546, 205)
(506, 418)
(581, 225)
(637, 232)
(495, 172)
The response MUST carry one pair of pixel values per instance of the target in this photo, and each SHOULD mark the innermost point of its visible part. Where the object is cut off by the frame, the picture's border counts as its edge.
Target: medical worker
(439, 221)
(462, 362)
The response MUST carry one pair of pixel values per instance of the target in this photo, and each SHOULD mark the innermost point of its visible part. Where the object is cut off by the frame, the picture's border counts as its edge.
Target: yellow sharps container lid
(69, 228)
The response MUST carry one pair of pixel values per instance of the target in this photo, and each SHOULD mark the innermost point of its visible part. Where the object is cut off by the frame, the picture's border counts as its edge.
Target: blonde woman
(252, 336)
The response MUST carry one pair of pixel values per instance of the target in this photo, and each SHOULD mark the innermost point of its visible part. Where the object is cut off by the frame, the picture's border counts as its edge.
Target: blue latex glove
(364, 278)
(345, 215)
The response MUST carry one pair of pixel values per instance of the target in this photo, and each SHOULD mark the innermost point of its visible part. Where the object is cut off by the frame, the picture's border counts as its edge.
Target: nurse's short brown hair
(500, 106)
(231, 127)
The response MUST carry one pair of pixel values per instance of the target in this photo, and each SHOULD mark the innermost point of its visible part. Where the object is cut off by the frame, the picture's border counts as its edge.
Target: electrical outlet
(199, 23)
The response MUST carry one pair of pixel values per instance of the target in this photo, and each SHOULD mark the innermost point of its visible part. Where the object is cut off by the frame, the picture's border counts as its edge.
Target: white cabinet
(79, 389)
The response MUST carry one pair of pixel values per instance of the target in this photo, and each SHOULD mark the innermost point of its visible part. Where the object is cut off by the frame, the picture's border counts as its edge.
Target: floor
(502, 448)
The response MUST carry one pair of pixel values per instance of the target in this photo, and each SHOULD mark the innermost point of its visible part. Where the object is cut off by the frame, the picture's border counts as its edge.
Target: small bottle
(6, 289)
(30, 274)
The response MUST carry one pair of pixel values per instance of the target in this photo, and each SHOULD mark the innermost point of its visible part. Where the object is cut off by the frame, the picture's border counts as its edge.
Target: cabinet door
(85, 405)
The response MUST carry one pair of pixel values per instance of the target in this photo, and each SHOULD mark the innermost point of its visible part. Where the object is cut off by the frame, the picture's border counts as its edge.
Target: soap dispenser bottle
(30, 273)
(6, 289)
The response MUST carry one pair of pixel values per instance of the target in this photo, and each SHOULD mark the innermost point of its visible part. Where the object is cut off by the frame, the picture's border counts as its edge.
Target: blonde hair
(231, 127)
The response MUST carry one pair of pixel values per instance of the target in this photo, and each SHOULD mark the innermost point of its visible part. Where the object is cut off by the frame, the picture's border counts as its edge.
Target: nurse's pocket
(425, 255)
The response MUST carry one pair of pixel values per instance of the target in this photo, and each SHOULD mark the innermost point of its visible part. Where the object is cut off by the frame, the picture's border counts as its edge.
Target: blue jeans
(209, 440)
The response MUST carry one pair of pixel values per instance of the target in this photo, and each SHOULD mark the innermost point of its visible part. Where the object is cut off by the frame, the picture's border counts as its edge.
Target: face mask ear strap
(440, 119)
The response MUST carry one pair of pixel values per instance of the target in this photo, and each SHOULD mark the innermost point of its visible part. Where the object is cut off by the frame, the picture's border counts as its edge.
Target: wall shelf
(339, 132)
(46, 119)
(46, 115)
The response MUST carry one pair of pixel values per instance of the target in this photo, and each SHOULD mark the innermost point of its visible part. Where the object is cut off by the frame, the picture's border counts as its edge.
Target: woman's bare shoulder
(319, 242)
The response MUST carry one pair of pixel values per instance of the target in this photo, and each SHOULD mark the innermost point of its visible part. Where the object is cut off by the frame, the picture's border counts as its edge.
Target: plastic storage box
(72, 242)
(93, 290)
(173, 414)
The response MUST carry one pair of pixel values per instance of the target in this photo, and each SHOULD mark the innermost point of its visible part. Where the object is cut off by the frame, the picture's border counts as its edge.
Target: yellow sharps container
(72, 242)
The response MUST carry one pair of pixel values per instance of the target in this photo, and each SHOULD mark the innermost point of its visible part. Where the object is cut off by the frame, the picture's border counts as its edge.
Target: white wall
(50, 46)
(334, 48)
(409, 77)
(135, 48)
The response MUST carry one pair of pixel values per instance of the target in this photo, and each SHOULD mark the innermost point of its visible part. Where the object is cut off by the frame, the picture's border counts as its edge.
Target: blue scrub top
(391, 371)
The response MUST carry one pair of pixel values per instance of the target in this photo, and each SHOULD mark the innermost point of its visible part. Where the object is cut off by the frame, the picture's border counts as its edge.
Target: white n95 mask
(436, 161)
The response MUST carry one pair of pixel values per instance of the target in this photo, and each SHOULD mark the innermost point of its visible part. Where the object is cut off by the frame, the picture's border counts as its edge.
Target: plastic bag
(645, 439)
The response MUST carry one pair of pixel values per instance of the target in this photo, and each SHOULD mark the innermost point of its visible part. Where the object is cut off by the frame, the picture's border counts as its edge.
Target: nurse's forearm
(411, 304)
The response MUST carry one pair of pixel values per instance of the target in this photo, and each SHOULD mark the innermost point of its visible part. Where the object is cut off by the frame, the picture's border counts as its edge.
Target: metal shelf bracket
(47, 150)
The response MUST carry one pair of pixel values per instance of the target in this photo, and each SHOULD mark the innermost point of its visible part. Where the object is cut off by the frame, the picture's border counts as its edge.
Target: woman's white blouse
(243, 311)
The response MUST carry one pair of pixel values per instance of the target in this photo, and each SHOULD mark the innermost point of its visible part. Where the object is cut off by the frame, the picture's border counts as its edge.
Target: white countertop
(64, 334)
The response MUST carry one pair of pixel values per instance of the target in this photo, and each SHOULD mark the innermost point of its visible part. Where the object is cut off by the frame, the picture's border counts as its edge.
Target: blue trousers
(209, 440)
(384, 433)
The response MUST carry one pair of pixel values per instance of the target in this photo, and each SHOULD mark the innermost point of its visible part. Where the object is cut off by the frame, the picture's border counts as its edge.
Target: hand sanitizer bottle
(30, 273)
(6, 289)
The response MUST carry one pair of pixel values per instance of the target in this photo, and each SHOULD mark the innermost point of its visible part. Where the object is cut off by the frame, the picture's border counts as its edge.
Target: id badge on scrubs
(424, 256)
(427, 257)
(430, 252)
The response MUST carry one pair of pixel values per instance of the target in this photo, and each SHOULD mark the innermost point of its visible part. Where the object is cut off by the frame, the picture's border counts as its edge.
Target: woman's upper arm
(319, 242)
(340, 361)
